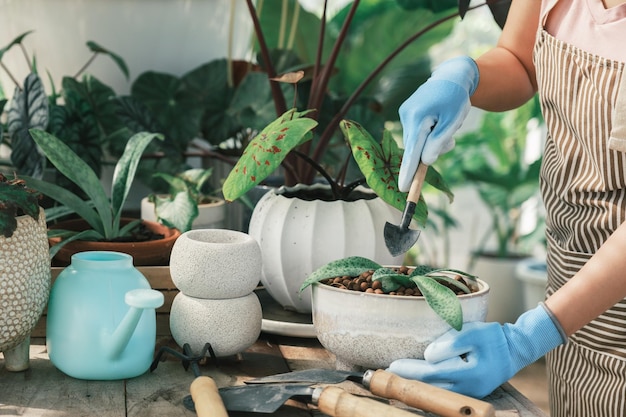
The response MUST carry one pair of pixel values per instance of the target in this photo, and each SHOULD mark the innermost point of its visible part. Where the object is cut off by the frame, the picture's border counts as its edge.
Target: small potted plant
(24, 271)
(188, 204)
(369, 315)
(100, 225)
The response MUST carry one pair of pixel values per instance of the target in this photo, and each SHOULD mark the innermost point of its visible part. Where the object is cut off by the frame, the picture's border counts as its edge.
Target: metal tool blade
(312, 376)
(399, 239)
(262, 398)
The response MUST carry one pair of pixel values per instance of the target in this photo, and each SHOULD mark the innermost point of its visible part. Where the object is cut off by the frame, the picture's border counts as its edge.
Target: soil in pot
(364, 283)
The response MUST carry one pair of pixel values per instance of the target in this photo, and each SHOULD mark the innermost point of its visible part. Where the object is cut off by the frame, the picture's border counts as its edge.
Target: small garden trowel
(330, 400)
(399, 239)
(384, 384)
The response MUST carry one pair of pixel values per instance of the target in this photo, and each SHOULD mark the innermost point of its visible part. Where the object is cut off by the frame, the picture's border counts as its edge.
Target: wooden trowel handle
(206, 398)
(427, 397)
(338, 403)
(417, 183)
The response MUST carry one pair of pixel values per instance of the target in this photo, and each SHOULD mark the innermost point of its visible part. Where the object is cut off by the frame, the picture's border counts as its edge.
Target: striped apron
(583, 184)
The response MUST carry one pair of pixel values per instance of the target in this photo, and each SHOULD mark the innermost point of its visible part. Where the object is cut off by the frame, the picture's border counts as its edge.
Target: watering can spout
(138, 300)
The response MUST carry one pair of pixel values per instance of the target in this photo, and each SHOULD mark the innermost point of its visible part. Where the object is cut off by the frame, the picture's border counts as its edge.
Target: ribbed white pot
(297, 236)
(24, 287)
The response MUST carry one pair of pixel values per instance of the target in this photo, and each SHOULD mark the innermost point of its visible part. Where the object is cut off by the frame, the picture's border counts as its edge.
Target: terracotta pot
(147, 253)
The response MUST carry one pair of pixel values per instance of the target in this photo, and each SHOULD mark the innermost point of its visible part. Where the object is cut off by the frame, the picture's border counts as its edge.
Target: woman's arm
(507, 73)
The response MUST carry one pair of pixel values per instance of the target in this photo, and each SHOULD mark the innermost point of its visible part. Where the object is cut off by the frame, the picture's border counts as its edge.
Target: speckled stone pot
(229, 325)
(24, 287)
(372, 330)
(215, 263)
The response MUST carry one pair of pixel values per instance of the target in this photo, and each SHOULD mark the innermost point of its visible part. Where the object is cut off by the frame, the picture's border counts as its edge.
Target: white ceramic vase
(24, 288)
(297, 236)
(216, 271)
(372, 330)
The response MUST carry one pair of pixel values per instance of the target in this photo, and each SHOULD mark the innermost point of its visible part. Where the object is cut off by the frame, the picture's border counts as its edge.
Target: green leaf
(72, 236)
(351, 266)
(28, 110)
(77, 171)
(380, 163)
(85, 209)
(391, 280)
(441, 299)
(94, 47)
(125, 169)
(15, 196)
(178, 210)
(266, 152)
(14, 42)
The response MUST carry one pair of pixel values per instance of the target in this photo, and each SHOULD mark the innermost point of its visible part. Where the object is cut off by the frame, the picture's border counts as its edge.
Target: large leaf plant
(302, 147)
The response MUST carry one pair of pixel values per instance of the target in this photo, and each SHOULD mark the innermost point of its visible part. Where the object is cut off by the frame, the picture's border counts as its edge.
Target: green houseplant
(25, 271)
(301, 141)
(188, 193)
(102, 216)
(369, 315)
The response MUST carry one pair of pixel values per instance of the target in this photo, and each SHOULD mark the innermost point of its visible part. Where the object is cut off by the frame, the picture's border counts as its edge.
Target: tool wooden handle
(428, 397)
(417, 183)
(206, 398)
(338, 403)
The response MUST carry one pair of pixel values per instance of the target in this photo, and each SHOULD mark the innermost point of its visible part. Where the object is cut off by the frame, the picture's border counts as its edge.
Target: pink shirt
(588, 25)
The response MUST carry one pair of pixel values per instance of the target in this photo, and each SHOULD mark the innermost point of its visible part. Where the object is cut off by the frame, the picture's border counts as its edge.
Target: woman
(572, 53)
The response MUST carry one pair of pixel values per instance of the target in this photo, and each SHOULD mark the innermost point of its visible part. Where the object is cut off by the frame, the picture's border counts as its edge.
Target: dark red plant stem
(277, 94)
(334, 123)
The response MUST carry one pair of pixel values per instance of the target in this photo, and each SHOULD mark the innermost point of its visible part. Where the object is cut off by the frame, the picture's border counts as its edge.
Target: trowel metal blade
(312, 376)
(262, 398)
(399, 240)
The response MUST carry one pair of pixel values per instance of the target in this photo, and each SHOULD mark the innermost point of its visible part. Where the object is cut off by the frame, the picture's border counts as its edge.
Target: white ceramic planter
(215, 263)
(372, 330)
(24, 288)
(507, 299)
(210, 215)
(229, 325)
(298, 236)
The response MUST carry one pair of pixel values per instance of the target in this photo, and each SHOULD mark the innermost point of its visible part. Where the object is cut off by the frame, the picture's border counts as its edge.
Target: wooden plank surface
(45, 391)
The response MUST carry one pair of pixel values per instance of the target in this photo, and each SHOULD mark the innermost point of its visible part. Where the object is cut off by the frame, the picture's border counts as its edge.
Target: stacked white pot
(216, 271)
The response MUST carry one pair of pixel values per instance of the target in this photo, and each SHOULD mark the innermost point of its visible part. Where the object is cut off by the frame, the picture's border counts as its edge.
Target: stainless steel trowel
(399, 239)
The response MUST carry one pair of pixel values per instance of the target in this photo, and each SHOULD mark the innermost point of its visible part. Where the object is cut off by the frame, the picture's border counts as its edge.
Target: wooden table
(45, 391)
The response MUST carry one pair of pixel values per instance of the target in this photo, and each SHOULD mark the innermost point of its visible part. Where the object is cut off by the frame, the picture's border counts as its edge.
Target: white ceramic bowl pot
(366, 330)
(215, 263)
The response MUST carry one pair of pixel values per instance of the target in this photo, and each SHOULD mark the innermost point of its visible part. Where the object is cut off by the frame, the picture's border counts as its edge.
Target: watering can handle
(206, 398)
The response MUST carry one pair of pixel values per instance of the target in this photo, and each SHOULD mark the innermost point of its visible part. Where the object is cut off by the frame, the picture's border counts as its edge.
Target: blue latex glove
(433, 113)
(492, 353)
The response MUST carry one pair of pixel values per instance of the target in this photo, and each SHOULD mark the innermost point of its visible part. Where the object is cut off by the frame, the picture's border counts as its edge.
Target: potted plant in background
(24, 270)
(302, 143)
(493, 160)
(188, 203)
(100, 225)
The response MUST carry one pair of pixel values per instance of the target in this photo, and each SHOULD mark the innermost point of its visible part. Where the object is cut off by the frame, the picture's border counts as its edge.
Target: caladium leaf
(266, 152)
(441, 299)
(351, 266)
(380, 163)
